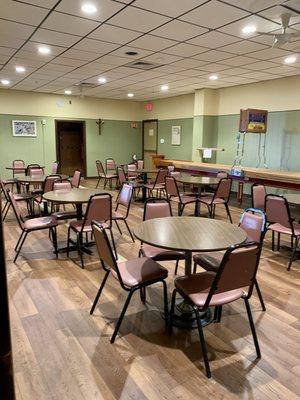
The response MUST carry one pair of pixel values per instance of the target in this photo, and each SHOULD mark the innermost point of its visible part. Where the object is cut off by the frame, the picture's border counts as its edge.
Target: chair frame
(105, 176)
(158, 189)
(124, 218)
(181, 205)
(255, 185)
(130, 291)
(197, 310)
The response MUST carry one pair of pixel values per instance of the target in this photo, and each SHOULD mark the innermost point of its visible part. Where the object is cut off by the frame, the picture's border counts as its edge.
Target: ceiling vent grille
(143, 65)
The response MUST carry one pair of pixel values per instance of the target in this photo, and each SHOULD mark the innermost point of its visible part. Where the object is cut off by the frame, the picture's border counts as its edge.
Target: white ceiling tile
(12, 30)
(293, 4)
(95, 46)
(260, 65)
(20, 12)
(154, 43)
(214, 14)
(170, 69)
(261, 24)
(238, 61)
(213, 67)
(114, 34)
(162, 58)
(185, 50)
(105, 8)
(237, 79)
(69, 24)
(139, 20)
(80, 55)
(189, 63)
(260, 75)
(122, 53)
(56, 38)
(6, 51)
(213, 40)
(275, 13)
(235, 71)
(283, 70)
(113, 60)
(27, 61)
(58, 67)
(253, 6)
(179, 30)
(3, 59)
(269, 53)
(191, 72)
(244, 47)
(42, 3)
(213, 55)
(9, 41)
(171, 8)
(62, 60)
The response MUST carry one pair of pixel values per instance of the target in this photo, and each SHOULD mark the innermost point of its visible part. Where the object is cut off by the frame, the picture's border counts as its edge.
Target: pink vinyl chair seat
(77, 226)
(209, 261)
(158, 254)
(197, 287)
(183, 199)
(208, 200)
(140, 270)
(40, 223)
(118, 215)
(284, 229)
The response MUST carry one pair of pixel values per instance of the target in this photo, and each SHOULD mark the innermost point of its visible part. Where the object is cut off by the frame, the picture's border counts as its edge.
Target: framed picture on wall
(24, 128)
(176, 133)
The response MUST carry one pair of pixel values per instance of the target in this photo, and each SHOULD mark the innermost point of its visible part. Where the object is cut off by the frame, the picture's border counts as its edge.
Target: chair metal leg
(228, 212)
(143, 294)
(176, 267)
(278, 242)
(252, 326)
(218, 314)
(5, 210)
(20, 247)
(80, 245)
(105, 183)
(262, 303)
(113, 243)
(195, 268)
(273, 240)
(99, 292)
(16, 246)
(98, 183)
(118, 226)
(202, 342)
(293, 253)
(54, 240)
(166, 308)
(121, 316)
(130, 233)
(68, 241)
(171, 316)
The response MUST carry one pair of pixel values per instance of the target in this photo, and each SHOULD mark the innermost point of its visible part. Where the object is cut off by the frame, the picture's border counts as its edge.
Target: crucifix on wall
(99, 123)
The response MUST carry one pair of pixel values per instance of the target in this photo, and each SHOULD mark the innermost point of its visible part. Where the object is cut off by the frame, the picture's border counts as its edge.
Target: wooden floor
(61, 352)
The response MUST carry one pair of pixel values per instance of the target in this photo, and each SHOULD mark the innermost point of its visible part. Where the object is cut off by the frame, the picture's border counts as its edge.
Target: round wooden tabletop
(197, 180)
(293, 199)
(189, 234)
(38, 179)
(74, 195)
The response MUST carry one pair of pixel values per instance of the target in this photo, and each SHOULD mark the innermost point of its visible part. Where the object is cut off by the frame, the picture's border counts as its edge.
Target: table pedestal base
(184, 316)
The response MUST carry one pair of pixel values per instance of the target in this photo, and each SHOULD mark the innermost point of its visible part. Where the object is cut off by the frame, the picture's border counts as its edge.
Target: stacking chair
(98, 209)
(110, 166)
(221, 196)
(46, 187)
(124, 200)
(236, 272)
(54, 168)
(103, 175)
(159, 208)
(253, 222)
(258, 194)
(174, 195)
(32, 166)
(19, 197)
(158, 185)
(132, 275)
(31, 225)
(140, 164)
(131, 172)
(75, 181)
(18, 164)
(65, 214)
(280, 221)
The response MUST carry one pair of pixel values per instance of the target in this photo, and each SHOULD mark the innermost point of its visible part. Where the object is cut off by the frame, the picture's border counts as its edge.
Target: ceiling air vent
(143, 65)
(86, 85)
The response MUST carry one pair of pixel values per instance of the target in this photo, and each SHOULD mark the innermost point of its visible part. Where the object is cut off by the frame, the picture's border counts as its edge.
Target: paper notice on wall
(207, 153)
(151, 132)
(176, 133)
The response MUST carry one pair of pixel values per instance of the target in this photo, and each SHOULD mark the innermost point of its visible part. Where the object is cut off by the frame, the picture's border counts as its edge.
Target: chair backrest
(175, 174)
(171, 187)
(140, 164)
(4, 190)
(223, 189)
(54, 168)
(170, 168)
(121, 175)
(131, 170)
(110, 165)
(75, 181)
(49, 183)
(18, 164)
(237, 270)
(278, 211)
(222, 174)
(258, 194)
(100, 168)
(125, 196)
(253, 222)
(160, 177)
(31, 166)
(157, 208)
(99, 208)
(18, 213)
(36, 172)
(62, 185)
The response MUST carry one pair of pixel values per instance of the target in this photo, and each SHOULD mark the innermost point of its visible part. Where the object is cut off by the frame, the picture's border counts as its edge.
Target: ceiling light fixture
(130, 95)
(5, 82)
(290, 60)
(213, 77)
(89, 8)
(44, 50)
(68, 92)
(20, 69)
(249, 29)
(164, 88)
(102, 80)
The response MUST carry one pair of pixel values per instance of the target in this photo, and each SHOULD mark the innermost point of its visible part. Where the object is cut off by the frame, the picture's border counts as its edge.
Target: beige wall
(57, 106)
(171, 108)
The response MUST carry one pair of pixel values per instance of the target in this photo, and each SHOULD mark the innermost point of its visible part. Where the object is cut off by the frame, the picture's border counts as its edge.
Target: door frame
(143, 131)
(83, 136)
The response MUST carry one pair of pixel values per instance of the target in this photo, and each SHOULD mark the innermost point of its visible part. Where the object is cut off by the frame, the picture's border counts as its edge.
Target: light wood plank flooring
(61, 352)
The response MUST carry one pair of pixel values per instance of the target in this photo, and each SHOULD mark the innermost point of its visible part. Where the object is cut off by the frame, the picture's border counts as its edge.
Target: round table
(144, 174)
(189, 234)
(293, 199)
(200, 181)
(31, 180)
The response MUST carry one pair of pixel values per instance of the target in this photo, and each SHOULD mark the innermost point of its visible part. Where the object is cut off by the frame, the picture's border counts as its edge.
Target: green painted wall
(118, 140)
(182, 152)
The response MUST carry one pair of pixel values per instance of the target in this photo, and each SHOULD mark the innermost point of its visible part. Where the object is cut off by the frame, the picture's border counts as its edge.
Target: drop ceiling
(188, 39)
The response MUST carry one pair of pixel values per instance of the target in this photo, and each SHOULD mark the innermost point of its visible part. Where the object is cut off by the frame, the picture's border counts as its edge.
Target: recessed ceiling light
(164, 88)
(5, 82)
(290, 60)
(213, 77)
(89, 8)
(102, 80)
(44, 50)
(20, 69)
(68, 92)
(130, 95)
(131, 53)
(249, 29)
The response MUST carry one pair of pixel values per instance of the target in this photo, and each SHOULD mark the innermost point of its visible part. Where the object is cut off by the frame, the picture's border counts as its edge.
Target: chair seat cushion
(22, 196)
(61, 215)
(157, 186)
(283, 229)
(110, 176)
(184, 199)
(40, 223)
(140, 270)
(208, 200)
(158, 254)
(196, 287)
(209, 261)
(77, 226)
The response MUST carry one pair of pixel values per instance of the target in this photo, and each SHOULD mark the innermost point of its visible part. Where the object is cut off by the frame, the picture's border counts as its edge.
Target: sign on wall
(24, 128)
(176, 133)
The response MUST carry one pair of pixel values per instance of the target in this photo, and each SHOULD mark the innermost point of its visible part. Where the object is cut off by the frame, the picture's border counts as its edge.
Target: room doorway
(70, 146)
(150, 134)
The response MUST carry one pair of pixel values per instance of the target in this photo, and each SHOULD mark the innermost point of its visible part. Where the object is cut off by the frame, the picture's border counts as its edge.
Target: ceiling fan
(279, 39)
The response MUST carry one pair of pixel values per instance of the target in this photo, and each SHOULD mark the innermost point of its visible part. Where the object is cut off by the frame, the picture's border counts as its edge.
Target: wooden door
(149, 142)
(71, 147)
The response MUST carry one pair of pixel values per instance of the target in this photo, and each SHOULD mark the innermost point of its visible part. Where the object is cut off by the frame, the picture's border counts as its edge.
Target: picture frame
(176, 135)
(22, 128)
